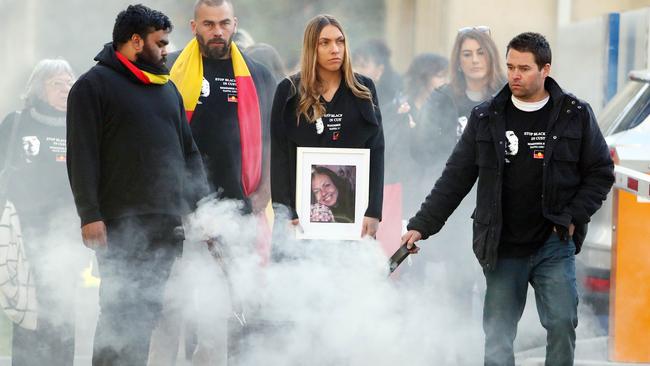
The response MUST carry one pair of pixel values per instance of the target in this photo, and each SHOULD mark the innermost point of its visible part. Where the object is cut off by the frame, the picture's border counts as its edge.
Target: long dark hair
(343, 211)
(420, 72)
(496, 76)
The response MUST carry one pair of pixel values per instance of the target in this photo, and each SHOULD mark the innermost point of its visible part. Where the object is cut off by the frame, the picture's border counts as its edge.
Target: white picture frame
(326, 213)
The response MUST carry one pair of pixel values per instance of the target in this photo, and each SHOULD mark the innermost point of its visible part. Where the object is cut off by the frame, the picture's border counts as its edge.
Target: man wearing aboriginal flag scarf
(134, 170)
(227, 98)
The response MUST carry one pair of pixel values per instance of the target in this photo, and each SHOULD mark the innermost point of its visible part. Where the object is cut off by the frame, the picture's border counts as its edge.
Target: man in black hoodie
(134, 170)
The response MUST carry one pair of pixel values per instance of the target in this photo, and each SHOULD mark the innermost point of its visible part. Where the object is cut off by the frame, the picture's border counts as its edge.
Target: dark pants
(551, 272)
(134, 269)
(52, 342)
(49, 344)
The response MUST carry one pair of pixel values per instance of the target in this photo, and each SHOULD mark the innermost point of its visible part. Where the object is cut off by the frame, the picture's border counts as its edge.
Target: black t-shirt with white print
(524, 227)
(341, 116)
(38, 182)
(215, 127)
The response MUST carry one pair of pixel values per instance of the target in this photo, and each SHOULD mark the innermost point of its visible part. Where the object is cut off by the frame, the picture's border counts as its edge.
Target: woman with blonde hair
(326, 105)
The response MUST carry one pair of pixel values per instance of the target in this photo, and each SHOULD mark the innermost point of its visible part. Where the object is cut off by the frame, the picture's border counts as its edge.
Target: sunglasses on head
(479, 28)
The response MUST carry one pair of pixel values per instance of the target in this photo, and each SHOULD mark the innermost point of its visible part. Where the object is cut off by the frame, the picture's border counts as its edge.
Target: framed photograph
(332, 188)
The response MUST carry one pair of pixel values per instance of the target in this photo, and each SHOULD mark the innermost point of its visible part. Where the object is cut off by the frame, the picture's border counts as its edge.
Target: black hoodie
(130, 148)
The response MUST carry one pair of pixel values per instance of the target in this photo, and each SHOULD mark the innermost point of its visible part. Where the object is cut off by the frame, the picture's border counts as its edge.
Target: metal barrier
(629, 327)
(632, 181)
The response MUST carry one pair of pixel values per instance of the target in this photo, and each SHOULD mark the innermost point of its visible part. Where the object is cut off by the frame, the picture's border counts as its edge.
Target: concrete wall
(415, 26)
(585, 9)
(17, 48)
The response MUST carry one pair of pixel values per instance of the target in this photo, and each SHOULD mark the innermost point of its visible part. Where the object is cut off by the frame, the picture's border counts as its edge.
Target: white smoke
(328, 302)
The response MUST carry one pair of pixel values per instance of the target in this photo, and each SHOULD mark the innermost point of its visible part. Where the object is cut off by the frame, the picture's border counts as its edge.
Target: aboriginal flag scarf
(145, 73)
(187, 74)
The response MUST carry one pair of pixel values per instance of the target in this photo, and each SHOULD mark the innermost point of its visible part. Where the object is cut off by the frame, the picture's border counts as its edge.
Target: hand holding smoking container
(398, 257)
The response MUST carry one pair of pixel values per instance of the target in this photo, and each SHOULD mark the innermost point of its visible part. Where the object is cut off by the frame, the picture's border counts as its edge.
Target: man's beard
(148, 57)
(214, 53)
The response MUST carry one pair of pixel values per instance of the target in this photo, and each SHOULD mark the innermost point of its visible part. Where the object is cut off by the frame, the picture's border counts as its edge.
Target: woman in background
(39, 189)
(266, 55)
(426, 73)
(475, 74)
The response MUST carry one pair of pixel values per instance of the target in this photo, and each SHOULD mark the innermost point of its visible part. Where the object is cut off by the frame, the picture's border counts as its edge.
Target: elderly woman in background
(33, 152)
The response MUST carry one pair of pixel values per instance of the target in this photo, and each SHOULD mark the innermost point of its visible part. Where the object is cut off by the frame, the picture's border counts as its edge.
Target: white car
(625, 123)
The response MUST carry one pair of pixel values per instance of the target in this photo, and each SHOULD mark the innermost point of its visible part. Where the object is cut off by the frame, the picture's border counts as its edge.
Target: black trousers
(51, 343)
(134, 268)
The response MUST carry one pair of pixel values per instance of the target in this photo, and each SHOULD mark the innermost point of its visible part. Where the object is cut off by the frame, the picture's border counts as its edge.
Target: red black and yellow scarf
(187, 74)
(146, 77)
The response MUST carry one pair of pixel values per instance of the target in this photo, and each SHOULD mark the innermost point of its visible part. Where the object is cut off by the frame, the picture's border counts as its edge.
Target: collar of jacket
(496, 113)
(108, 58)
(366, 107)
(553, 88)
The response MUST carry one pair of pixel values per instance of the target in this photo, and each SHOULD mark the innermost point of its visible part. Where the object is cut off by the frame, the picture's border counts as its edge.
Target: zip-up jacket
(578, 172)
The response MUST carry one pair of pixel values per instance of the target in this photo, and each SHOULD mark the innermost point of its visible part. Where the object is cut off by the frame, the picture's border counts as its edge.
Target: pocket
(557, 248)
(564, 166)
(486, 156)
(480, 237)
(567, 148)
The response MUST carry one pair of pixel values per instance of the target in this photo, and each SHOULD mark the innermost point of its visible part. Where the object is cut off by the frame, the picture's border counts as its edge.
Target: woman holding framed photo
(325, 105)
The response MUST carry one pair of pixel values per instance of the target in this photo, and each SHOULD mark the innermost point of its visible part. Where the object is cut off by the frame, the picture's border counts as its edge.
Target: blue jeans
(551, 272)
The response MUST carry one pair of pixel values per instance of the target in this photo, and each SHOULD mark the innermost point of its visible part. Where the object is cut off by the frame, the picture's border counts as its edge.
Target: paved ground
(589, 352)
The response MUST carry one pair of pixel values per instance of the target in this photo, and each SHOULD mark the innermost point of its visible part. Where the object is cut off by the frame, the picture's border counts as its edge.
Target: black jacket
(130, 148)
(389, 86)
(287, 135)
(436, 131)
(577, 172)
(38, 155)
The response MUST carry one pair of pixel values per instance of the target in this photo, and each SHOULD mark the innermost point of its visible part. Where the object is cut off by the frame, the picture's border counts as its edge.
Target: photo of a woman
(332, 197)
